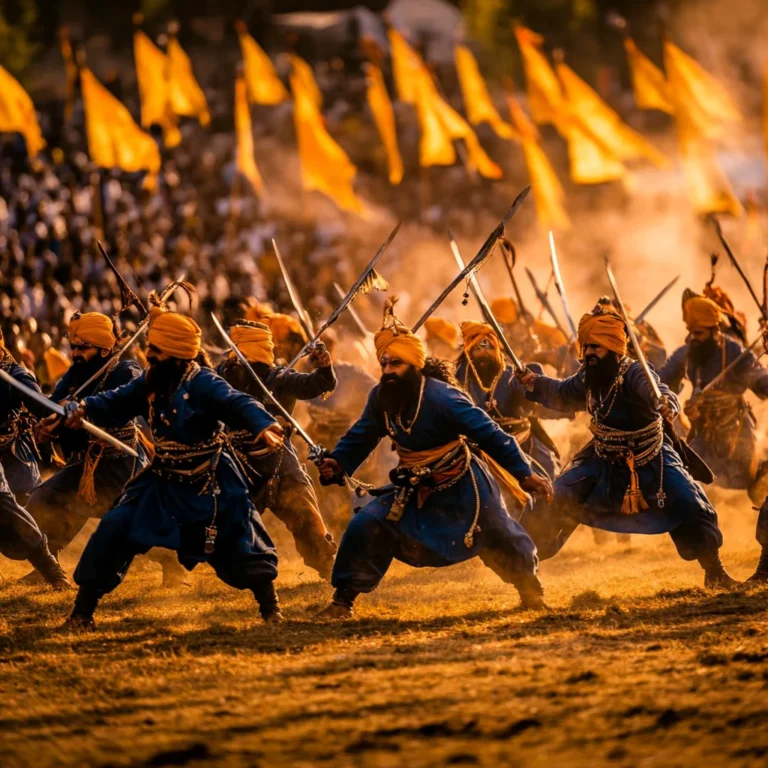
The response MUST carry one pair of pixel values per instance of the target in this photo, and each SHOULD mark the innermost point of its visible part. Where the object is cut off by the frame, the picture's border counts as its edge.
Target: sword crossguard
(317, 454)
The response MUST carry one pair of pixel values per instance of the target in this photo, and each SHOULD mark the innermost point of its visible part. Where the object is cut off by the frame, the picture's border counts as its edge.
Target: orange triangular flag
(187, 97)
(384, 116)
(303, 71)
(405, 67)
(264, 86)
(245, 161)
(648, 81)
(17, 113)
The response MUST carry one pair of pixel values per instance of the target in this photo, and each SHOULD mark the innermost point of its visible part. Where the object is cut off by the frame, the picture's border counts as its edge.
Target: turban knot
(92, 328)
(254, 342)
(473, 333)
(282, 326)
(403, 345)
(505, 310)
(606, 330)
(174, 334)
(699, 312)
(442, 329)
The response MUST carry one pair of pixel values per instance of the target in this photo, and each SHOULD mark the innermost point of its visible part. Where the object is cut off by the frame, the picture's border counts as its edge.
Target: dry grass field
(635, 664)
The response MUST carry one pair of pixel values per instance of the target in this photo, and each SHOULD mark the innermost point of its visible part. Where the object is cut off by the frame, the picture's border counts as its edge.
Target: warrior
(288, 494)
(722, 422)
(94, 474)
(630, 478)
(492, 386)
(444, 505)
(193, 497)
(18, 450)
(442, 337)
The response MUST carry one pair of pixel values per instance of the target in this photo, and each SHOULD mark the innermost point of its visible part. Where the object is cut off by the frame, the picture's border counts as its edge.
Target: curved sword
(304, 318)
(97, 432)
(559, 285)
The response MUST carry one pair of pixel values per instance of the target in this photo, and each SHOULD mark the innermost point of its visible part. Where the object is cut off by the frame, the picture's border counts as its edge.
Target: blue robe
(54, 504)
(591, 489)
(432, 535)
(158, 512)
(511, 403)
(734, 461)
(19, 460)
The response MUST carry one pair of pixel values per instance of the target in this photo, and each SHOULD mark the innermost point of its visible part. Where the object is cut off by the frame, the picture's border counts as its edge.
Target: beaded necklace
(398, 420)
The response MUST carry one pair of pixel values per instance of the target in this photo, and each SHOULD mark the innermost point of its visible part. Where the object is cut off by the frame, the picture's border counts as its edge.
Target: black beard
(163, 378)
(398, 395)
(486, 368)
(83, 369)
(700, 352)
(599, 377)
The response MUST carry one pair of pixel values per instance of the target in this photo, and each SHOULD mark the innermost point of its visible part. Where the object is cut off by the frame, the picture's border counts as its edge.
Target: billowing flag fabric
(245, 160)
(17, 113)
(264, 86)
(187, 97)
(406, 64)
(304, 73)
(648, 81)
(384, 116)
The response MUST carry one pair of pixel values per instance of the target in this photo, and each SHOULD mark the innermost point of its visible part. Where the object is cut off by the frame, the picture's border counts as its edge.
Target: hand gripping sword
(482, 256)
(559, 285)
(316, 452)
(98, 433)
(486, 310)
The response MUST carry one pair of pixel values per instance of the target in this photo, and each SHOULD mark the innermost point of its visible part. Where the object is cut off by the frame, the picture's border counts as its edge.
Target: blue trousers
(19, 534)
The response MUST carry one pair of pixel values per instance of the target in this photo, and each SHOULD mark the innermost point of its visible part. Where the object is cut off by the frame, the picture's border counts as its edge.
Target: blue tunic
(731, 453)
(19, 459)
(591, 489)
(447, 515)
(174, 514)
(508, 401)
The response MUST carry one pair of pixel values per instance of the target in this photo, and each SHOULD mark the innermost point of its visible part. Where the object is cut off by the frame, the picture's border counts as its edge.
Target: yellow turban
(403, 345)
(505, 310)
(258, 311)
(605, 330)
(92, 328)
(473, 333)
(255, 343)
(282, 326)
(442, 329)
(174, 334)
(56, 363)
(699, 312)
(549, 336)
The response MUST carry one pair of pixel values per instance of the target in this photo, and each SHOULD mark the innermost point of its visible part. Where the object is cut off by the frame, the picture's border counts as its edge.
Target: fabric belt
(98, 450)
(636, 449)
(720, 420)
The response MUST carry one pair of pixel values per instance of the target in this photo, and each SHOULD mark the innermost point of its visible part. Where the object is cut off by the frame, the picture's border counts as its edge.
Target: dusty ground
(634, 665)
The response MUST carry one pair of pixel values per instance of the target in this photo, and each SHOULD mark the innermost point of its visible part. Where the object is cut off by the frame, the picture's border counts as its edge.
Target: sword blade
(728, 368)
(244, 362)
(559, 285)
(347, 300)
(659, 296)
(352, 312)
(482, 256)
(486, 310)
(304, 318)
(510, 265)
(737, 266)
(635, 344)
(542, 297)
(59, 410)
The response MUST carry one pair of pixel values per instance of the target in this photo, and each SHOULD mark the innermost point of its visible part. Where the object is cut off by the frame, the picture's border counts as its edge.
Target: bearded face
(399, 391)
(485, 360)
(702, 345)
(164, 376)
(600, 371)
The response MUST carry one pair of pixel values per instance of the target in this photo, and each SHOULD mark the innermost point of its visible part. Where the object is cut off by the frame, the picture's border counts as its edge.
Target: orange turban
(92, 328)
(442, 329)
(699, 312)
(258, 311)
(255, 343)
(549, 336)
(505, 310)
(174, 334)
(403, 345)
(473, 333)
(606, 330)
(282, 326)
(56, 363)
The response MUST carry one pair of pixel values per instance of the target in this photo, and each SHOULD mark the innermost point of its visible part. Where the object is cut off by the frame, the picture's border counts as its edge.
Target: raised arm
(118, 406)
(235, 409)
(559, 394)
(28, 379)
(639, 388)
(672, 373)
(361, 439)
(305, 386)
(475, 424)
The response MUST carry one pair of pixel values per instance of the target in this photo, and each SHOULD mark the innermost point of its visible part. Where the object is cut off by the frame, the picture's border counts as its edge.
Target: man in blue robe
(722, 422)
(492, 386)
(630, 478)
(193, 497)
(288, 493)
(444, 505)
